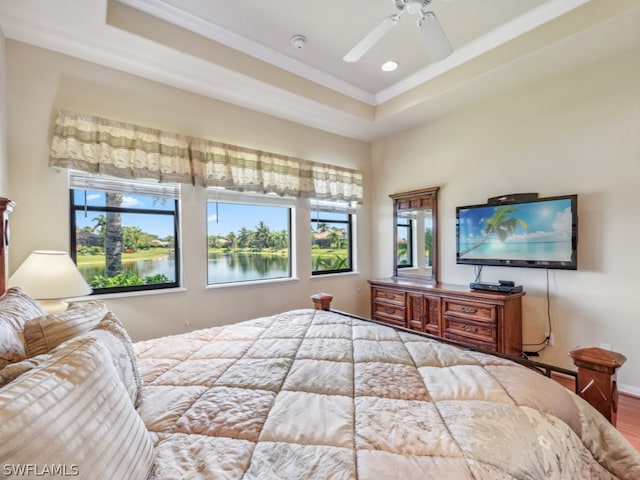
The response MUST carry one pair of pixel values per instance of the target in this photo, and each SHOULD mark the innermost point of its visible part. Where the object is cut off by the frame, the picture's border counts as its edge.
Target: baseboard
(629, 390)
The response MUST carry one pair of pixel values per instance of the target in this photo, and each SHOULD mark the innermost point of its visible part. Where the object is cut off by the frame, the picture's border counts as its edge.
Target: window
(248, 237)
(405, 240)
(331, 237)
(124, 234)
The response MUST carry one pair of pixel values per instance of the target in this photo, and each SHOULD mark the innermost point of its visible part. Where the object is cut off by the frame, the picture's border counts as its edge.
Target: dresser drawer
(386, 312)
(381, 295)
(474, 342)
(478, 331)
(470, 311)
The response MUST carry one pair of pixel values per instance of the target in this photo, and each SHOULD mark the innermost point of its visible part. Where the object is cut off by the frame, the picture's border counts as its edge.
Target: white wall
(41, 82)
(578, 133)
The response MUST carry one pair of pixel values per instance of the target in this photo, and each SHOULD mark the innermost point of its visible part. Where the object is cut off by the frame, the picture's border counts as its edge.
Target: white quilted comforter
(316, 395)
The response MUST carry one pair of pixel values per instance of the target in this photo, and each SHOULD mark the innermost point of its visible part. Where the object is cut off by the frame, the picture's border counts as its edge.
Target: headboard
(6, 206)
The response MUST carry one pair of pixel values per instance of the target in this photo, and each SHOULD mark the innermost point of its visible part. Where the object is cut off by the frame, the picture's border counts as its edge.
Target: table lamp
(50, 276)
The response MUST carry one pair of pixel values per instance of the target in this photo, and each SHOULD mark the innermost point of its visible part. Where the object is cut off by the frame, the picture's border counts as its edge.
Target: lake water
(222, 267)
(142, 268)
(244, 267)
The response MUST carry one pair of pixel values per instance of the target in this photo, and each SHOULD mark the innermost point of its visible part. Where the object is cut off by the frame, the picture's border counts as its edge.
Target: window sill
(107, 296)
(336, 274)
(252, 283)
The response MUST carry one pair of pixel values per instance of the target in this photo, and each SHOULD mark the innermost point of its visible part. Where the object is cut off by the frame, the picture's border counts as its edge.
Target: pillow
(73, 410)
(46, 332)
(16, 308)
(13, 370)
(115, 338)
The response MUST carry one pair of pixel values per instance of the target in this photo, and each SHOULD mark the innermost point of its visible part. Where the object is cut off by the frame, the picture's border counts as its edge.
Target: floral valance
(98, 145)
(238, 168)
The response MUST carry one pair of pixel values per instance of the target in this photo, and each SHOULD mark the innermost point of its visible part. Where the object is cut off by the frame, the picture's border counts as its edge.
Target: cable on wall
(478, 270)
(545, 342)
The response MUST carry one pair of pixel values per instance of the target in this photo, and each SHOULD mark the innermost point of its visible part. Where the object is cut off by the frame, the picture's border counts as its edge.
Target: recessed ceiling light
(389, 66)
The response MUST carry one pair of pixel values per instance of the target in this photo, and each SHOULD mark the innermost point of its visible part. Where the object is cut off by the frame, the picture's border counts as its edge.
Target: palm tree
(335, 235)
(244, 237)
(132, 237)
(261, 235)
(101, 224)
(232, 240)
(322, 227)
(279, 239)
(113, 236)
(501, 224)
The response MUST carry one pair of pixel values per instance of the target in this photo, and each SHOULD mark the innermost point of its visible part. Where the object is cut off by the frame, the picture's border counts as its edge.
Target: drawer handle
(467, 309)
(469, 328)
(389, 310)
(389, 296)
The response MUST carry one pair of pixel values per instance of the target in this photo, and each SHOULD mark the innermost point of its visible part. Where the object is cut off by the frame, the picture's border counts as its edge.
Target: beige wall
(578, 133)
(41, 82)
(4, 161)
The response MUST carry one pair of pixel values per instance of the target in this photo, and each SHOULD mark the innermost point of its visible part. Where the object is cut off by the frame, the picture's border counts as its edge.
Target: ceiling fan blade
(371, 39)
(435, 39)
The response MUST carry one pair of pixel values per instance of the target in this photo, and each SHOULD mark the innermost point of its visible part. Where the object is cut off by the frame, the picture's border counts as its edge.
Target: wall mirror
(415, 246)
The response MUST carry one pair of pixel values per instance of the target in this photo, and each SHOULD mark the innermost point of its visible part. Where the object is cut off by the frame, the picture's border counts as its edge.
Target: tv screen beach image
(539, 231)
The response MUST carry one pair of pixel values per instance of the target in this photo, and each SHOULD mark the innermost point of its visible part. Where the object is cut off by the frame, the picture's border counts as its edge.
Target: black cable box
(495, 287)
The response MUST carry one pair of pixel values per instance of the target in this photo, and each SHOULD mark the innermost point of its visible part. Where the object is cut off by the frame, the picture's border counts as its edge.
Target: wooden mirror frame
(417, 200)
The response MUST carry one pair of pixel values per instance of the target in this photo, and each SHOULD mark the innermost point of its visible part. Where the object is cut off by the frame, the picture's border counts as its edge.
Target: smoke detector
(298, 41)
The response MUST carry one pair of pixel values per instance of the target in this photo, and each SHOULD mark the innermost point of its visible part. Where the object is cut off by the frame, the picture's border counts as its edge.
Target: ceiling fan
(435, 39)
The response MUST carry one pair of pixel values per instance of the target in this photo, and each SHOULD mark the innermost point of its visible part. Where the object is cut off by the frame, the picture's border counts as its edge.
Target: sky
(226, 218)
(546, 220)
(160, 225)
(231, 217)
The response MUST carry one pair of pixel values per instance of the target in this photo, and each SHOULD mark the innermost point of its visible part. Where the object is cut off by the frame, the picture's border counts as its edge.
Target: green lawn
(157, 252)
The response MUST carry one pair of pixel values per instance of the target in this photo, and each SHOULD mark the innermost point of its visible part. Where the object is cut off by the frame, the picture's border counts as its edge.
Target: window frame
(329, 207)
(220, 195)
(175, 212)
(409, 227)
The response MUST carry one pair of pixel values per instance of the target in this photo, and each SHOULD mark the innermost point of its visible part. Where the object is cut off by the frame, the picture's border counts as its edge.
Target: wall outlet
(549, 335)
(606, 346)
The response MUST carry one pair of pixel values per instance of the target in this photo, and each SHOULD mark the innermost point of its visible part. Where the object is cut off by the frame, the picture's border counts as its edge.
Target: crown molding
(180, 18)
(114, 48)
(77, 29)
(548, 11)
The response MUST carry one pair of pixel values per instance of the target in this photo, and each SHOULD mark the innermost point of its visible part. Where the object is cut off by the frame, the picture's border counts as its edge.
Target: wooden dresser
(488, 320)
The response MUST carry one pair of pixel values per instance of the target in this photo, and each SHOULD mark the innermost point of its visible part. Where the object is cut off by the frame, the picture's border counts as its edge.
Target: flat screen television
(539, 233)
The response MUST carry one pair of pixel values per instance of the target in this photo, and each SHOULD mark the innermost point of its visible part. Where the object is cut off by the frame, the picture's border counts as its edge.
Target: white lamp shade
(49, 275)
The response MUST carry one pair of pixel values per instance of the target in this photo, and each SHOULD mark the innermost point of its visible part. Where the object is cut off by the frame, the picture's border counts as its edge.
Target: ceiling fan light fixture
(413, 6)
(389, 66)
(434, 38)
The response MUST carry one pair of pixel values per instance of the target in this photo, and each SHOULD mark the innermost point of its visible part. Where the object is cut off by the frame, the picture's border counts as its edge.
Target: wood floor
(628, 421)
(629, 418)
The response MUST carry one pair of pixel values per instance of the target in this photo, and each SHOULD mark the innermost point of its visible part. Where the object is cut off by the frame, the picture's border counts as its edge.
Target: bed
(303, 394)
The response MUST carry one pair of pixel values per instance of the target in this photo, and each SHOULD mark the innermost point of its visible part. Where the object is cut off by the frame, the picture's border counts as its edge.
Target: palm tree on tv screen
(501, 224)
